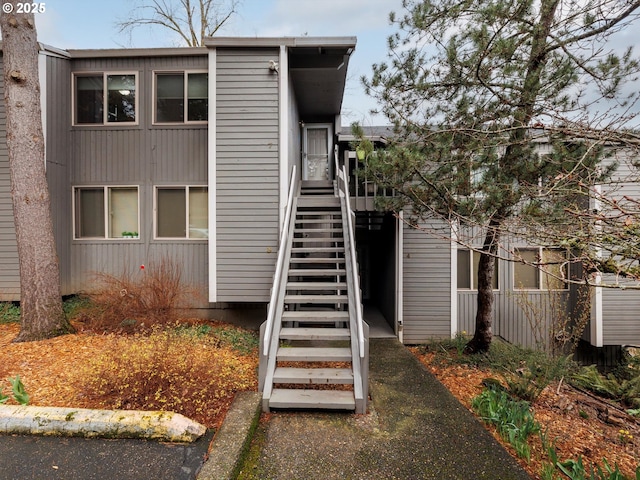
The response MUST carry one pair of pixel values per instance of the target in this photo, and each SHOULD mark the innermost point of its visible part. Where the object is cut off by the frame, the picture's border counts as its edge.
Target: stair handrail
(343, 187)
(277, 276)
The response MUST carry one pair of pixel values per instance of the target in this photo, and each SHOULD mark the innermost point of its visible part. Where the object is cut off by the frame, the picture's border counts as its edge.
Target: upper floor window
(181, 97)
(105, 98)
(182, 212)
(106, 212)
(468, 262)
(549, 275)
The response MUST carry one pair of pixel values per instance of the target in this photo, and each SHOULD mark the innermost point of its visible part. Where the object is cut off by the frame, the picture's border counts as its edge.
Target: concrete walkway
(416, 430)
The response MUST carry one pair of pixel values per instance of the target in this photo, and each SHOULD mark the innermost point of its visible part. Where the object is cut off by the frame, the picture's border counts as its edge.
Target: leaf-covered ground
(193, 371)
(574, 421)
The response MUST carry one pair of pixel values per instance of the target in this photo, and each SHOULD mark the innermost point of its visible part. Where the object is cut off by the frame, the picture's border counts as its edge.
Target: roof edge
(347, 42)
(137, 52)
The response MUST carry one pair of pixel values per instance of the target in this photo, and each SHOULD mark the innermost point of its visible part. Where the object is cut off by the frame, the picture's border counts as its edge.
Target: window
(105, 98)
(182, 212)
(181, 97)
(549, 276)
(106, 212)
(468, 270)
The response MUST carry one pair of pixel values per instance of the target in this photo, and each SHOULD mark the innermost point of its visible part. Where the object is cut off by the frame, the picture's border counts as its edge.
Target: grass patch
(9, 313)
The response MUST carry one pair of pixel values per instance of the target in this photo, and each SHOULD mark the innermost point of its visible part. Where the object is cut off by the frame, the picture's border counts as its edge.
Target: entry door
(317, 147)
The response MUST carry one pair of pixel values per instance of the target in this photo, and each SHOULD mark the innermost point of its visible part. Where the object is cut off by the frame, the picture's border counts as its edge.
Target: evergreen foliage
(473, 88)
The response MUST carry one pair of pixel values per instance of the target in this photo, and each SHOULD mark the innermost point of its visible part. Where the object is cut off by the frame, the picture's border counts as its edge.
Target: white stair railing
(268, 340)
(359, 329)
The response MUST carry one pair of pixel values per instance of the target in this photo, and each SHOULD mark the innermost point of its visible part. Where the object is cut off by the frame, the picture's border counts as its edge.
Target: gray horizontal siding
(426, 287)
(144, 155)
(621, 317)
(9, 269)
(247, 178)
(58, 121)
(621, 308)
(91, 259)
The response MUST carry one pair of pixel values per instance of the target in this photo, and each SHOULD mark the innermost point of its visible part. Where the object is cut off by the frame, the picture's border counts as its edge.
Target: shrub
(152, 295)
(160, 371)
(626, 390)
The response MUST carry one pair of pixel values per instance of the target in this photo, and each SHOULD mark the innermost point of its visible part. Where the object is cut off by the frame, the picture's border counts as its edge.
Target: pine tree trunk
(483, 334)
(41, 313)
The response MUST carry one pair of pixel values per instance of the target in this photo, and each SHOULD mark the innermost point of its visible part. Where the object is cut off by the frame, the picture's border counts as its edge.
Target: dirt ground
(577, 423)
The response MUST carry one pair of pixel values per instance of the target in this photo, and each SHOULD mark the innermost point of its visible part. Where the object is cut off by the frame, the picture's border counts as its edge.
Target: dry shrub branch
(171, 370)
(139, 298)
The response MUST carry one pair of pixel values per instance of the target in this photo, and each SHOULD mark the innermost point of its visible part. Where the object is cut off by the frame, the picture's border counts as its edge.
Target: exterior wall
(57, 130)
(426, 287)
(510, 321)
(247, 173)
(9, 278)
(145, 155)
(621, 308)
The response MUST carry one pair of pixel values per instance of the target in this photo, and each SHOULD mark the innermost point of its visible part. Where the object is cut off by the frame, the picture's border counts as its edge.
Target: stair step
(316, 183)
(299, 398)
(317, 249)
(320, 221)
(314, 354)
(317, 239)
(304, 316)
(319, 191)
(316, 299)
(315, 376)
(333, 212)
(315, 272)
(317, 260)
(305, 333)
(315, 201)
(317, 230)
(316, 285)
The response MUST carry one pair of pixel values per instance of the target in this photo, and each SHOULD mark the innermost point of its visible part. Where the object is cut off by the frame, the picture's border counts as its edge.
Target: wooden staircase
(311, 364)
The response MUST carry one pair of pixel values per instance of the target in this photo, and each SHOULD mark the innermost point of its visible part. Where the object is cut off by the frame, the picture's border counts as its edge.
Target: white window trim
(187, 206)
(540, 272)
(185, 73)
(105, 189)
(105, 112)
(472, 275)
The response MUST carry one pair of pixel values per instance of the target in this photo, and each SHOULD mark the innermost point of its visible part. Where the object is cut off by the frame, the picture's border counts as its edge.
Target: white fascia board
(283, 79)
(211, 154)
(454, 281)
(597, 334)
(399, 327)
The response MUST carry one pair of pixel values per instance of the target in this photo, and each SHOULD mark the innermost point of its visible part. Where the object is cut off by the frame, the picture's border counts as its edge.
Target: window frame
(154, 98)
(106, 212)
(185, 189)
(105, 98)
(540, 270)
(473, 276)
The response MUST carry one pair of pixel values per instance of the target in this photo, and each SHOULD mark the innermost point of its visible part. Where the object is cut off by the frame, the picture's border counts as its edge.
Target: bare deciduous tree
(191, 20)
(41, 313)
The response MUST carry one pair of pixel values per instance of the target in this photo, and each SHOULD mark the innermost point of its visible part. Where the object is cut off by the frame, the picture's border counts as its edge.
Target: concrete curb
(82, 422)
(233, 438)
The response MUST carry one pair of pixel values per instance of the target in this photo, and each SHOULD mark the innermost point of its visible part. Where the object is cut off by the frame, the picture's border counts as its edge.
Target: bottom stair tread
(327, 399)
(316, 376)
